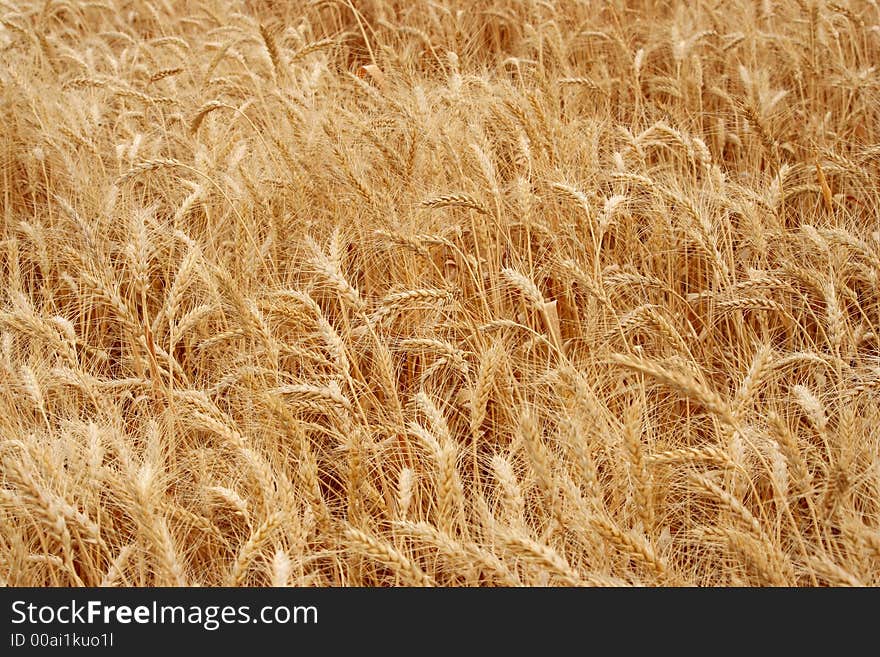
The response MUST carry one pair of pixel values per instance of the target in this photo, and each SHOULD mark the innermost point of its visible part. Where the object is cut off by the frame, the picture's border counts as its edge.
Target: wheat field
(441, 292)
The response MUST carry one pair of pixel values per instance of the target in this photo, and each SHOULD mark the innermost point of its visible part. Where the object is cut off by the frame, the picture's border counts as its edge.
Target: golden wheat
(461, 296)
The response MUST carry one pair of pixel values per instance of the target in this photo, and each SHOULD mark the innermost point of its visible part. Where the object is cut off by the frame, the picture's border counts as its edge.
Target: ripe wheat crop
(455, 293)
